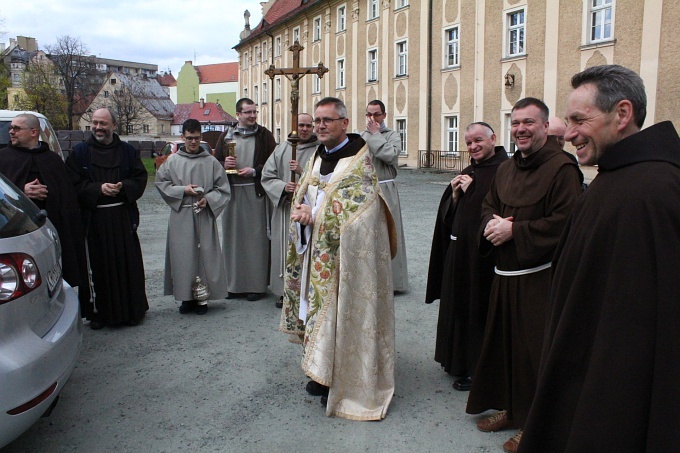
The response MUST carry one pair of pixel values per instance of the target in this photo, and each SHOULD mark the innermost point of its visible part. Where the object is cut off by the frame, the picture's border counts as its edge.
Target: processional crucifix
(294, 74)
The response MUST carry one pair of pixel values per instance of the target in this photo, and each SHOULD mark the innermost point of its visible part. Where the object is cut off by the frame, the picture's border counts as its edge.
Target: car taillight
(19, 275)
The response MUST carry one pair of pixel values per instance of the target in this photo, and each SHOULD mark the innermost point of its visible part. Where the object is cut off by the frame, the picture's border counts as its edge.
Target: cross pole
(294, 74)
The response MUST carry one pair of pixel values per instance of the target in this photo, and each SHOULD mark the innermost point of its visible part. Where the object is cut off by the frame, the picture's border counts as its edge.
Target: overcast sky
(162, 32)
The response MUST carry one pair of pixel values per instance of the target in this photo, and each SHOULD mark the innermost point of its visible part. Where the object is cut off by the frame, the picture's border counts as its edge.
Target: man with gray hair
(458, 275)
(610, 365)
(110, 178)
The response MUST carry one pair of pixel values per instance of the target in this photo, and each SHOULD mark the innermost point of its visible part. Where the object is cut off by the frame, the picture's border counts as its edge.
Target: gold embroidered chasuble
(348, 330)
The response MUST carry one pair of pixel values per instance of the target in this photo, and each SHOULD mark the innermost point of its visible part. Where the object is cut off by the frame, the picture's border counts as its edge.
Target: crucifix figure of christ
(294, 75)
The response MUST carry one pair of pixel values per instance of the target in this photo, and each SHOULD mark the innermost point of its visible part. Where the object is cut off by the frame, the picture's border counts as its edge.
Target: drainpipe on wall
(428, 133)
(271, 82)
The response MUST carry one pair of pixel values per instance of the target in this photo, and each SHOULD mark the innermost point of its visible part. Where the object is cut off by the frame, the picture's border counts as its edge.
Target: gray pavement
(229, 381)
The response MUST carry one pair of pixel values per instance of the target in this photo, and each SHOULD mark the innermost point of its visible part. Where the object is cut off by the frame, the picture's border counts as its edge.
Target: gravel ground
(229, 381)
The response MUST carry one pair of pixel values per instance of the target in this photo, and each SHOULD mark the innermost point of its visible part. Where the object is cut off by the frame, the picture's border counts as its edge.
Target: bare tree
(42, 93)
(76, 68)
(131, 113)
(5, 83)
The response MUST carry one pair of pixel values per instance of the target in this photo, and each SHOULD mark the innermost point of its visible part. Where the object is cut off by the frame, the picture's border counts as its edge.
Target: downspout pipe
(428, 133)
(271, 88)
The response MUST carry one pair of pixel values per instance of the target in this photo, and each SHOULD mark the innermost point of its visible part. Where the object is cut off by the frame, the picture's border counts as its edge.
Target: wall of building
(557, 45)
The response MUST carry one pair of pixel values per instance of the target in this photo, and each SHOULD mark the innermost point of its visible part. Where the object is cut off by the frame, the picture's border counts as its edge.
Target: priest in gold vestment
(338, 297)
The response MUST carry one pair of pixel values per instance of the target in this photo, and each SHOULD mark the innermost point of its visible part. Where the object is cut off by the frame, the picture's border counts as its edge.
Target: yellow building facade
(439, 65)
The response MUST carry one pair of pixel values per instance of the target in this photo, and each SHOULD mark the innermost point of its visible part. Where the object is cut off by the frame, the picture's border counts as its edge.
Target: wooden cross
(294, 74)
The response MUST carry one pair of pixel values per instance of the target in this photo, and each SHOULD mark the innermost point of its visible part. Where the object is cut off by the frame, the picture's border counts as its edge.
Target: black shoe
(316, 389)
(133, 322)
(187, 307)
(96, 325)
(254, 296)
(324, 400)
(463, 384)
(279, 303)
(201, 309)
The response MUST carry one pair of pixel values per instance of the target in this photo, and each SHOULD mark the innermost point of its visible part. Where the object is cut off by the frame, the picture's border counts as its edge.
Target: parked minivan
(47, 134)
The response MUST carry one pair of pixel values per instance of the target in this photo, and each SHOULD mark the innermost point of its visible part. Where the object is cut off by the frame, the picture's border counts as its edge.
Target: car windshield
(18, 215)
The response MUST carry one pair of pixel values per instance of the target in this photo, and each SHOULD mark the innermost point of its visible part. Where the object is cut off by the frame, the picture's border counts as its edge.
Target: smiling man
(338, 298)
(523, 216)
(31, 165)
(277, 182)
(611, 361)
(458, 275)
(110, 179)
(245, 220)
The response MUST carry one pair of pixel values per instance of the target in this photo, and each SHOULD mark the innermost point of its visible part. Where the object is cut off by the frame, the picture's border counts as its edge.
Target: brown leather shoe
(512, 444)
(497, 422)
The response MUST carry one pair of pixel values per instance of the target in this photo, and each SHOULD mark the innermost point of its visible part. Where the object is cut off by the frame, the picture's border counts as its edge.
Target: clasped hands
(111, 190)
(302, 213)
(498, 230)
(460, 183)
(35, 190)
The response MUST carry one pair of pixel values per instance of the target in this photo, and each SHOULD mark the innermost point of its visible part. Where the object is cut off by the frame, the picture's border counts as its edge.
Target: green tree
(5, 83)
(42, 94)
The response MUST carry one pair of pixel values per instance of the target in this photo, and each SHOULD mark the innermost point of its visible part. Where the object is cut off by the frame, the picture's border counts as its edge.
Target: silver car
(40, 324)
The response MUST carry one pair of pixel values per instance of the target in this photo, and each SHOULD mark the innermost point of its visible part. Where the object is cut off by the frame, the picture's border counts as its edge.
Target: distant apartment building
(216, 83)
(439, 65)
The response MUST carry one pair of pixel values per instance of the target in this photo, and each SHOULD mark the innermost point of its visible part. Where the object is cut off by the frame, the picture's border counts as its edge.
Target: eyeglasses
(326, 121)
(249, 112)
(374, 115)
(192, 139)
(18, 128)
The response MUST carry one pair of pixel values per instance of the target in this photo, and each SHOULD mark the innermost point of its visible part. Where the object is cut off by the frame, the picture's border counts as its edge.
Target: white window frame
(373, 9)
(452, 47)
(256, 51)
(509, 143)
(316, 29)
(401, 58)
(401, 4)
(372, 65)
(451, 135)
(278, 89)
(316, 84)
(256, 95)
(516, 33)
(277, 47)
(400, 125)
(278, 135)
(245, 92)
(597, 17)
(264, 92)
(342, 18)
(264, 51)
(341, 73)
(296, 35)
(246, 60)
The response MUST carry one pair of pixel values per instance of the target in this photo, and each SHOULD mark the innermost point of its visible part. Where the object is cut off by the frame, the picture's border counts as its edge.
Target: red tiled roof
(280, 9)
(167, 79)
(278, 12)
(218, 73)
(210, 112)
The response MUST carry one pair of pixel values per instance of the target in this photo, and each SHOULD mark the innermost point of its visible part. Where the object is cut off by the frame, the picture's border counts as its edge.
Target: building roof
(279, 12)
(150, 94)
(209, 112)
(167, 79)
(218, 73)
